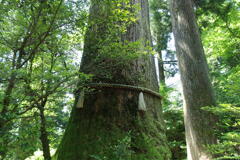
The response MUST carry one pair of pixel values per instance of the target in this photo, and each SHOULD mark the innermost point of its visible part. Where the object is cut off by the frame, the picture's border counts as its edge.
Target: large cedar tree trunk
(195, 79)
(109, 124)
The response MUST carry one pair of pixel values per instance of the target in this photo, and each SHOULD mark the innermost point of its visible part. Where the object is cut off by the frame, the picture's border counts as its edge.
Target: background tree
(172, 103)
(197, 89)
(161, 31)
(37, 42)
(220, 24)
(161, 28)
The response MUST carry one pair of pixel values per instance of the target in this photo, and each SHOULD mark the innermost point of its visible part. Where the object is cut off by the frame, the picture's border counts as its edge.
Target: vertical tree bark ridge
(195, 79)
(110, 126)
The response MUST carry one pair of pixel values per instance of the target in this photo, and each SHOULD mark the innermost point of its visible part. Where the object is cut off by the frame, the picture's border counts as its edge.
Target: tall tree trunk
(161, 69)
(5, 127)
(43, 132)
(110, 126)
(195, 79)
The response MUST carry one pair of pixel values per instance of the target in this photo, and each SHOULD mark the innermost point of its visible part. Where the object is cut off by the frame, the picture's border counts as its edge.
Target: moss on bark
(110, 116)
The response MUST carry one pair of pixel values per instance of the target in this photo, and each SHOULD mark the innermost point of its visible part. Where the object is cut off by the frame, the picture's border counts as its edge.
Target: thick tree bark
(195, 79)
(110, 116)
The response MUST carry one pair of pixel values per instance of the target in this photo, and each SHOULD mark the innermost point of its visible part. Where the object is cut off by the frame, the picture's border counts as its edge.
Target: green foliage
(161, 34)
(161, 25)
(38, 41)
(219, 26)
(221, 38)
(173, 116)
(228, 131)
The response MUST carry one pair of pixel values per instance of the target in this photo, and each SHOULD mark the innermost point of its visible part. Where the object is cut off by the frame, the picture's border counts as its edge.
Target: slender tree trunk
(43, 132)
(110, 126)
(5, 103)
(161, 69)
(195, 79)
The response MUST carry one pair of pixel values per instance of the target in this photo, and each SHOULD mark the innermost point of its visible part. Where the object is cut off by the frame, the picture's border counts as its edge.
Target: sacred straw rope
(126, 87)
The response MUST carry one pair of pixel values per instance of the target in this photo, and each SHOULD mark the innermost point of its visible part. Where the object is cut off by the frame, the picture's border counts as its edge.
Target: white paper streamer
(141, 103)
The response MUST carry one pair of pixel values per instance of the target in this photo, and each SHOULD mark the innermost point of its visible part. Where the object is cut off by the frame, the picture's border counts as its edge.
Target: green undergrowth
(227, 131)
